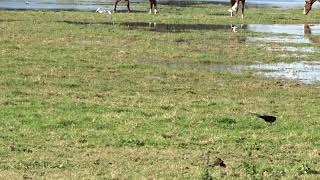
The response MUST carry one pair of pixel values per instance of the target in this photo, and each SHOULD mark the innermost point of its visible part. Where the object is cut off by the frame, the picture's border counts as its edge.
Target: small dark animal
(235, 6)
(266, 118)
(308, 6)
(218, 162)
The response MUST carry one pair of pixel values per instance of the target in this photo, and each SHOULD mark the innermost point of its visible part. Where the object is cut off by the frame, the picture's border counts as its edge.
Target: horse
(308, 6)
(153, 5)
(235, 6)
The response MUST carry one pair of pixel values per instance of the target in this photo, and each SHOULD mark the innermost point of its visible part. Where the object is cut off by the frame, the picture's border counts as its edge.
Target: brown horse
(235, 6)
(153, 4)
(308, 6)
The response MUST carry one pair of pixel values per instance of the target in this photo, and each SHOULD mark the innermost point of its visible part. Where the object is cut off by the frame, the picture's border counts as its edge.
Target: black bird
(266, 118)
(218, 162)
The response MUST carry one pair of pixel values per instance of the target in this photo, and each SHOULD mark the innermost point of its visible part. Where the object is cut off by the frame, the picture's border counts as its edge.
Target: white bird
(27, 2)
(103, 11)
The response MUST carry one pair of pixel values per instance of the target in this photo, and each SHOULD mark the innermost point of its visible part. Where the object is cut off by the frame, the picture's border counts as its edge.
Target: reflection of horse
(153, 4)
(307, 29)
(308, 32)
(308, 6)
(235, 28)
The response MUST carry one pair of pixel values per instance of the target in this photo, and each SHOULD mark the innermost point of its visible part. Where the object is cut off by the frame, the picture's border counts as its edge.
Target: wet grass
(93, 100)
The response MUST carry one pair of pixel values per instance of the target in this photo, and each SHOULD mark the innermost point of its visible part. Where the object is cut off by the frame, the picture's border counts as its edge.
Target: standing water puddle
(280, 39)
(291, 29)
(161, 27)
(290, 33)
(306, 72)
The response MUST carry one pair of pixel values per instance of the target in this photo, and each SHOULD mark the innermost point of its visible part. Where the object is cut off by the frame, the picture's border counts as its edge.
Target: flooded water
(306, 72)
(280, 39)
(161, 27)
(275, 38)
(292, 29)
(94, 4)
(278, 33)
(303, 71)
(298, 32)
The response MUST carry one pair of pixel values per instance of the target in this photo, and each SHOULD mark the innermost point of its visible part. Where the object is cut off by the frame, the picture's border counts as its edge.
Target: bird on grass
(219, 162)
(267, 118)
(104, 11)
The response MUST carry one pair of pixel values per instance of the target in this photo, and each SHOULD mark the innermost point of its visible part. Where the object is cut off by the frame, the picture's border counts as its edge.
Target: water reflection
(161, 27)
(298, 33)
(280, 39)
(289, 29)
(306, 72)
(307, 29)
(164, 27)
(298, 30)
(281, 33)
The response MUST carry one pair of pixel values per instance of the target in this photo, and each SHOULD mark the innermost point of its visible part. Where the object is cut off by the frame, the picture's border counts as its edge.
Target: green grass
(84, 99)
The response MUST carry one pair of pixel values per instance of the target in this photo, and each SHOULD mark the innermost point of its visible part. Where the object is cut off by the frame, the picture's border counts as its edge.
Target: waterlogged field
(85, 95)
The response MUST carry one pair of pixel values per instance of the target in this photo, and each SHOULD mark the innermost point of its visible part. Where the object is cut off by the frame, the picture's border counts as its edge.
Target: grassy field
(86, 98)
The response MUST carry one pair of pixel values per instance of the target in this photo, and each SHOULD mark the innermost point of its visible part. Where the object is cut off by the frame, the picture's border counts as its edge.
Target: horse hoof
(155, 11)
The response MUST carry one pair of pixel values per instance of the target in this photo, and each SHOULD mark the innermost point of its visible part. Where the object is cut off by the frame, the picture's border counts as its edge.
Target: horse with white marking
(235, 6)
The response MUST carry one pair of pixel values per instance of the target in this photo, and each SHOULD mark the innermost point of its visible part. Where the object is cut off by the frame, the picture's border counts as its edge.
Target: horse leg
(128, 5)
(235, 6)
(242, 9)
(115, 5)
(231, 5)
(155, 6)
(151, 4)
